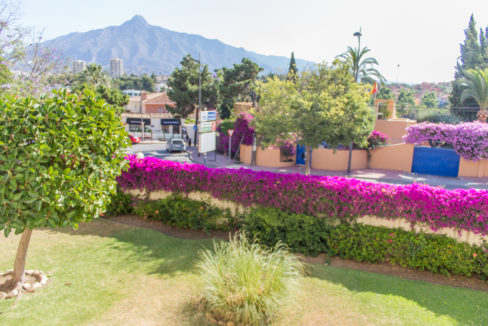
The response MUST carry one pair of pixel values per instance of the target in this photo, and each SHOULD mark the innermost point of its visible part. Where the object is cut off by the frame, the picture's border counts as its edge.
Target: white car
(176, 145)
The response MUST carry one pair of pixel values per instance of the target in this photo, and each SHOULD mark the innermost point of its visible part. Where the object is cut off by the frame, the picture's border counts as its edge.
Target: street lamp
(199, 98)
(356, 77)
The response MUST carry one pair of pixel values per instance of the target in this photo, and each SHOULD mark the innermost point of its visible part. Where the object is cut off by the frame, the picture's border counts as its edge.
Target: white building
(116, 67)
(132, 92)
(78, 66)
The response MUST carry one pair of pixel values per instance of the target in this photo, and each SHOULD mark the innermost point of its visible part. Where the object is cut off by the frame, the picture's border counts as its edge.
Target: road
(158, 150)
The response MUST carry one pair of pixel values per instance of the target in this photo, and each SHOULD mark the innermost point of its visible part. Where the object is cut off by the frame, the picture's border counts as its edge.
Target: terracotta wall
(326, 159)
(268, 157)
(477, 169)
(395, 129)
(393, 157)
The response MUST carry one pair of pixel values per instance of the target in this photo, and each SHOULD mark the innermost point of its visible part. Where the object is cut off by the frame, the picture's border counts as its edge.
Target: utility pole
(356, 77)
(199, 108)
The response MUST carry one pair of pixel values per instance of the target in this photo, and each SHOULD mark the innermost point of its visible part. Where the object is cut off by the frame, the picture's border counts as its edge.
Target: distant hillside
(146, 48)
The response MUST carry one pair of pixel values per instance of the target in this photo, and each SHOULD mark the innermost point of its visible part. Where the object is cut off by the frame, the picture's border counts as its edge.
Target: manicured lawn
(120, 275)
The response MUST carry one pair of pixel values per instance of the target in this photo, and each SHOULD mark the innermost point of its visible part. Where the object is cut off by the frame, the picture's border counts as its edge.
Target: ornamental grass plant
(246, 284)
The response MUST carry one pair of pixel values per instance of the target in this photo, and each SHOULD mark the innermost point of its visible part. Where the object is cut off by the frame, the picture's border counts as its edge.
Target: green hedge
(311, 235)
(181, 212)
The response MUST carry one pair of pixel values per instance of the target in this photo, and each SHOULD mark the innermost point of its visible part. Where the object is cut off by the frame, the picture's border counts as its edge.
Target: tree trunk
(19, 265)
(307, 160)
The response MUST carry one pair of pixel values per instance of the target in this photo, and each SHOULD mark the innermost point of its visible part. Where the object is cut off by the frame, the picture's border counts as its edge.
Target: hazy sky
(422, 37)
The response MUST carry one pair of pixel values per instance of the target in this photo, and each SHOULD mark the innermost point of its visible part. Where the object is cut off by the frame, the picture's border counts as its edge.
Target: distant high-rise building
(116, 67)
(78, 66)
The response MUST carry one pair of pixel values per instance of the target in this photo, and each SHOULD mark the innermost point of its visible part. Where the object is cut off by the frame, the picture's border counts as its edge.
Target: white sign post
(206, 133)
(230, 132)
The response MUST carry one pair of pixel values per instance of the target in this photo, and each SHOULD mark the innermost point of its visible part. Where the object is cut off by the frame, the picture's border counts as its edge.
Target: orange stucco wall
(395, 129)
(477, 169)
(396, 157)
(268, 157)
(326, 159)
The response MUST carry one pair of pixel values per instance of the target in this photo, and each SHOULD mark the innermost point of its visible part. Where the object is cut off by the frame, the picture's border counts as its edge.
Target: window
(176, 129)
(165, 129)
(134, 127)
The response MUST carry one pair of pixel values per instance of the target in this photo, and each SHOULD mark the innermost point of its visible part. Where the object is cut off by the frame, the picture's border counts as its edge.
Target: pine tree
(474, 55)
(292, 70)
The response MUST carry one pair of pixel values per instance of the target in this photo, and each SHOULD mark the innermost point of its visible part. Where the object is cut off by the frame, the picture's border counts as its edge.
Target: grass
(120, 275)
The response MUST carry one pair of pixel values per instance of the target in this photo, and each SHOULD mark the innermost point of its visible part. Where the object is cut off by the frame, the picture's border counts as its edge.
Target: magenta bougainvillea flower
(328, 197)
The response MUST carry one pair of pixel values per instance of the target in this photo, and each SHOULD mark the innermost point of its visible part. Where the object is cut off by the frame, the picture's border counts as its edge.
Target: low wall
(268, 157)
(464, 236)
(394, 129)
(397, 157)
(477, 169)
(326, 159)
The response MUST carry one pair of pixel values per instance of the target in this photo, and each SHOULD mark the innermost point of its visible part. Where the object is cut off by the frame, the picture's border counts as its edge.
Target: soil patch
(33, 280)
(474, 282)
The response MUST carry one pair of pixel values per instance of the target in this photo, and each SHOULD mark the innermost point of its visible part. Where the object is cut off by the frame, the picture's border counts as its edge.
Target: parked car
(176, 145)
(134, 140)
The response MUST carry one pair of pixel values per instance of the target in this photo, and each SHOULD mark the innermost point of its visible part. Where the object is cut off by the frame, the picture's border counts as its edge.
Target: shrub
(377, 139)
(246, 284)
(469, 139)
(301, 233)
(331, 197)
(287, 148)
(120, 204)
(437, 117)
(182, 212)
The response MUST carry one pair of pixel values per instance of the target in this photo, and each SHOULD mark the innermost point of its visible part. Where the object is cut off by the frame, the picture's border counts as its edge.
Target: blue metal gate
(300, 154)
(436, 161)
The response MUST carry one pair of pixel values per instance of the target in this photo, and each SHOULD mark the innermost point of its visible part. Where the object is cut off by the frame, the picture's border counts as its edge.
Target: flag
(375, 88)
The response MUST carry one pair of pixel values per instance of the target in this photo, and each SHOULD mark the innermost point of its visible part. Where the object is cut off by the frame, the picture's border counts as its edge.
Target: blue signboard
(208, 116)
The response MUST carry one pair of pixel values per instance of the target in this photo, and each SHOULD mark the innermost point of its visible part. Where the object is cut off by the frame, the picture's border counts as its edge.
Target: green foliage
(476, 87)
(226, 125)
(435, 116)
(385, 93)
(143, 82)
(383, 108)
(292, 69)
(186, 213)
(184, 85)
(430, 100)
(236, 85)
(434, 253)
(93, 76)
(246, 284)
(405, 99)
(324, 105)
(311, 235)
(301, 233)
(59, 156)
(474, 55)
(120, 204)
(361, 68)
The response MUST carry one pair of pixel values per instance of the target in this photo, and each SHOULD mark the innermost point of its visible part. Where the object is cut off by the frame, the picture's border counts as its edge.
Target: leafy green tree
(144, 82)
(236, 85)
(292, 70)
(474, 55)
(326, 104)
(361, 67)
(183, 88)
(476, 87)
(430, 100)
(60, 155)
(385, 93)
(405, 99)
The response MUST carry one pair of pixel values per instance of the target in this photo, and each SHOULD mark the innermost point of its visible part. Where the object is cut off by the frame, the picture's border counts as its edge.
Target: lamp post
(199, 98)
(356, 77)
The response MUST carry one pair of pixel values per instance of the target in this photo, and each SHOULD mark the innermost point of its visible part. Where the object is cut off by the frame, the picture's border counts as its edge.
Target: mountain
(146, 48)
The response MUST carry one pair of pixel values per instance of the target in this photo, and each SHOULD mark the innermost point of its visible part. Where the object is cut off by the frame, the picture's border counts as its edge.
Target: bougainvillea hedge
(469, 139)
(330, 197)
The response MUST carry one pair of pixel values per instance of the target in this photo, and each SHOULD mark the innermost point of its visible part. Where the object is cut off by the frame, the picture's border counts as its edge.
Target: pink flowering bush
(242, 130)
(469, 139)
(329, 197)
(376, 139)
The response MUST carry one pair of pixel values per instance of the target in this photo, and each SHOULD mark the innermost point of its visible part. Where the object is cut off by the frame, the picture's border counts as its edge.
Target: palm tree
(93, 75)
(361, 67)
(476, 83)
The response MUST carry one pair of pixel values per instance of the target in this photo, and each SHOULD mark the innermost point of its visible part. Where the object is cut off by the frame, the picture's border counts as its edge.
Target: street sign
(208, 126)
(207, 142)
(208, 116)
(230, 132)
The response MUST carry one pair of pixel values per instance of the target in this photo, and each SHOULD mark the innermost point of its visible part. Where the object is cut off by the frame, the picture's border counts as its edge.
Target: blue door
(436, 161)
(301, 154)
